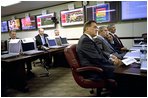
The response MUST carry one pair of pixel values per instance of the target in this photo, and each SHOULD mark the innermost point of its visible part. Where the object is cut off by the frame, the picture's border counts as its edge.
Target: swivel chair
(72, 58)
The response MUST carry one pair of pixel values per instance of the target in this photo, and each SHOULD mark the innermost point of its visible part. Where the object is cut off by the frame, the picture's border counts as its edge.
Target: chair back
(72, 58)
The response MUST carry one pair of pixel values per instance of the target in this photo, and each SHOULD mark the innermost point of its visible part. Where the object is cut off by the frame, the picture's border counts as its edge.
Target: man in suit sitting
(117, 42)
(40, 43)
(41, 39)
(90, 54)
(101, 41)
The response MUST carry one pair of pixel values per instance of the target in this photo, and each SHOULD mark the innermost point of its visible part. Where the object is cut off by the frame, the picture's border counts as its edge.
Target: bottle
(143, 54)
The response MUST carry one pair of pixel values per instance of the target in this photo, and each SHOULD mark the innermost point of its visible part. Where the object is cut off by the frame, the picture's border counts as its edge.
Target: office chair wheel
(92, 91)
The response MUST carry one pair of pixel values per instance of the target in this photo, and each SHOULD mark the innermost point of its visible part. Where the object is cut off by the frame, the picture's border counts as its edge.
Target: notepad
(129, 61)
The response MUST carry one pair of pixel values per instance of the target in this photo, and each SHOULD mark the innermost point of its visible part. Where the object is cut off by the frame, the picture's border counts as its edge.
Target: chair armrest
(89, 68)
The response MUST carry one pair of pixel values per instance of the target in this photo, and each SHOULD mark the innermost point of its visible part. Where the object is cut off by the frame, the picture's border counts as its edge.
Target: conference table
(132, 82)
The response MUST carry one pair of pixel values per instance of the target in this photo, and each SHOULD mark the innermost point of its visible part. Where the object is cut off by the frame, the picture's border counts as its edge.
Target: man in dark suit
(105, 46)
(41, 39)
(90, 54)
(117, 42)
(40, 42)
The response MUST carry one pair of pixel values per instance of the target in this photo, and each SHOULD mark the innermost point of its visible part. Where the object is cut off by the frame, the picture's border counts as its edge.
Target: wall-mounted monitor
(72, 17)
(133, 10)
(14, 24)
(4, 26)
(28, 23)
(101, 13)
(45, 21)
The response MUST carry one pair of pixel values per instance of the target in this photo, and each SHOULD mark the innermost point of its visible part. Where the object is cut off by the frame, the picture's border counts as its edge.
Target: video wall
(110, 11)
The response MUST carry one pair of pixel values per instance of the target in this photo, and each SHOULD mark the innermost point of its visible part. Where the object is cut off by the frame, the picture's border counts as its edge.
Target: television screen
(45, 21)
(14, 24)
(4, 26)
(28, 23)
(107, 12)
(72, 17)
(133, 10)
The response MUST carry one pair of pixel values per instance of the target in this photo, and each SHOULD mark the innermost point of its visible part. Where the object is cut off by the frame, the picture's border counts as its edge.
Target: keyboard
(9, 55)
(30, 52)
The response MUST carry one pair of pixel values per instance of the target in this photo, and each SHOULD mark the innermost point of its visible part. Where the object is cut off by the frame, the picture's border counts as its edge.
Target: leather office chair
(71, 56)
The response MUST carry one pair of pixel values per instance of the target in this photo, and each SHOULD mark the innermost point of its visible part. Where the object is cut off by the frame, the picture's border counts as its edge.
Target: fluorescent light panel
(5, 3)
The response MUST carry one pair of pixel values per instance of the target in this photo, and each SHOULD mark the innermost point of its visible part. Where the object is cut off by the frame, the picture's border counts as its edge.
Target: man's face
(93, 29)
(104, 32)
(56, 33)
(41, 32)
(113, 29)
(109, 37)
(13, 35)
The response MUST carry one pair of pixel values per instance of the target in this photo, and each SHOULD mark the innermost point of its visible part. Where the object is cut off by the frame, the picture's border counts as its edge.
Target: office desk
(131, 82)
(133, 69)
(14, 71)
(14, 68)
(59, 57)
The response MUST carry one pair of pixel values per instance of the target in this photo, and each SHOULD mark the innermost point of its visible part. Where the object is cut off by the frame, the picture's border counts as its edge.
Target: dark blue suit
(91, 55)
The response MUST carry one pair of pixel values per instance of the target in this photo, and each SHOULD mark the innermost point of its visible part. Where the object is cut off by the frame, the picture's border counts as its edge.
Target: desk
(14, 72)
(14, 68)
(59, 57)
(131, 82)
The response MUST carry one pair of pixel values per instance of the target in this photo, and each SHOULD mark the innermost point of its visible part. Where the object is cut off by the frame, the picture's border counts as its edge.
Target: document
(128, 61)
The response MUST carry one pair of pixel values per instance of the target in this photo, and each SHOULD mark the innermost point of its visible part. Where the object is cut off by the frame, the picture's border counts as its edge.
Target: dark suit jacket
(105, 46)
(90, 55)
(117, 43)
(39, 41)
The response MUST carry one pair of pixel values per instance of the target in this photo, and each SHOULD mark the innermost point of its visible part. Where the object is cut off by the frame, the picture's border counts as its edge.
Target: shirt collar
(88, 36)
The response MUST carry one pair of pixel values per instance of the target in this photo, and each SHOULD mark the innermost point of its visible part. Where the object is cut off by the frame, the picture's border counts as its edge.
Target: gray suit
(106, 48)
(90, 55)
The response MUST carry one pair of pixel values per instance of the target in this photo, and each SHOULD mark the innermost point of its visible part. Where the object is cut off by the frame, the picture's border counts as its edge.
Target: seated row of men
(100, 47)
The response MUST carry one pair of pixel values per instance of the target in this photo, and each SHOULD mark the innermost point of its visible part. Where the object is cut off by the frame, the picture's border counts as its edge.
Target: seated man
(117, 42)
(90, 54)
(40, 42)
(105, 46)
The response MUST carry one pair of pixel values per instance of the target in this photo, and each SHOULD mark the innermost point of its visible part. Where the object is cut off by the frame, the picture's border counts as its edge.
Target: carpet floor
(60, 83)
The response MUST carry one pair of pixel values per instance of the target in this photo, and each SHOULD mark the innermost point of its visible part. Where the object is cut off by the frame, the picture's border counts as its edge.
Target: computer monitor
(28, 44)
(4, 45)
(64, 40)
(58, 41)
(51, 42)
(15, 46)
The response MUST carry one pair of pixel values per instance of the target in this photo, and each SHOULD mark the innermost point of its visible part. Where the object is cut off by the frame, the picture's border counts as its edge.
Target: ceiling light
(5, 3)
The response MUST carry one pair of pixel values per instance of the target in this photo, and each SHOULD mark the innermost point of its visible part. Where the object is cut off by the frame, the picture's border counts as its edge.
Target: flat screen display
(4, 26)
(45, 21)
(28, 46)
(72, 17)
(28, 23)
(106, 12)
(133, 10)
(14, 24)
